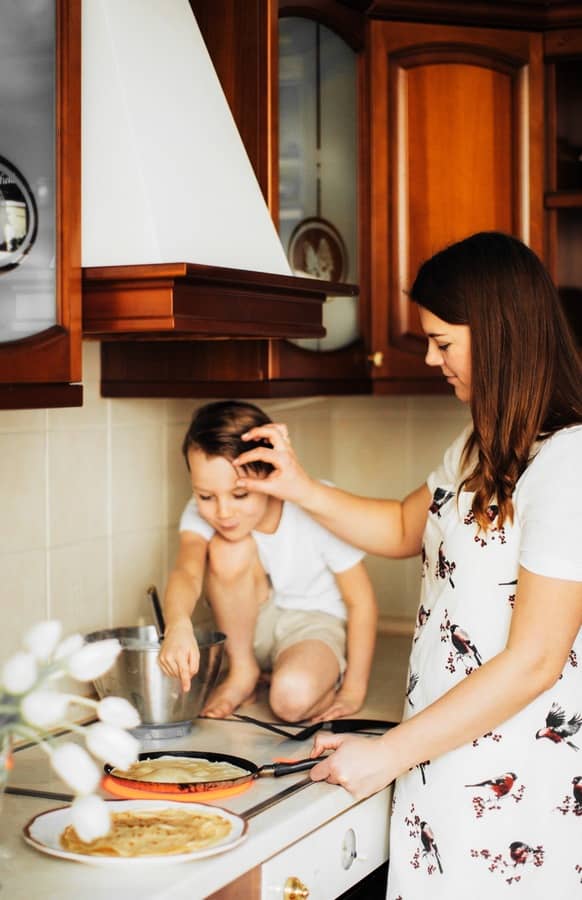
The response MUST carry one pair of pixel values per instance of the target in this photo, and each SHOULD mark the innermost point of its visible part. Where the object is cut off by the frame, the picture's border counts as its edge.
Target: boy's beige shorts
(277, 629)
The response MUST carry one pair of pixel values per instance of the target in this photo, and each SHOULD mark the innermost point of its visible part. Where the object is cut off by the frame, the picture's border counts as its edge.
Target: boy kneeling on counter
(292, 599)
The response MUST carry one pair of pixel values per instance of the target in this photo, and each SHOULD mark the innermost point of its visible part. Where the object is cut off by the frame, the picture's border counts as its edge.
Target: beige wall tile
(309, 422)
(23, 600)
(371, 445)
(138, 477)
(178, 479)
(138, 412)
(23, 491)
(138, 561)
(22, 419)
(79, 585)
(78, 485)
(180, 412)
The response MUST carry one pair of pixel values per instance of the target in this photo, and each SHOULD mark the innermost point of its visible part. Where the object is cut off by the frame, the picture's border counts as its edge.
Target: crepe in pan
(180, 770)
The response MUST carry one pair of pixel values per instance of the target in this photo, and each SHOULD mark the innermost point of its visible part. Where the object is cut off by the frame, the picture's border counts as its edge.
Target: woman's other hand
(360, 765)
(288, 480)
(179, 655)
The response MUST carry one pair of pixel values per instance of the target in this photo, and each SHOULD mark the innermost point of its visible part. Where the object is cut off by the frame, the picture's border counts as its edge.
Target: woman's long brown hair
(526, 372)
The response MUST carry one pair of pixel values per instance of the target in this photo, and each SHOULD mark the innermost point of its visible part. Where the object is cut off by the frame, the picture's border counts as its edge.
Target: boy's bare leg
(303, 681)
(236, 586)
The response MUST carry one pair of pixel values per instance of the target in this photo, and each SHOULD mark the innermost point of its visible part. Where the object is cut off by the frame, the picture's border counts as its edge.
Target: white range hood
(166, 177)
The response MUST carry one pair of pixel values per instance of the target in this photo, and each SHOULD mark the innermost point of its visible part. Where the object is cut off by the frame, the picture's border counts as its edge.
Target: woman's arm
(358, 595)
(179, 655)
(391, 528)
(546, 619)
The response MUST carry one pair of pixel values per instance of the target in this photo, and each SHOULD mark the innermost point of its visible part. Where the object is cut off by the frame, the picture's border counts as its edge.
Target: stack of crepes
(162, 832)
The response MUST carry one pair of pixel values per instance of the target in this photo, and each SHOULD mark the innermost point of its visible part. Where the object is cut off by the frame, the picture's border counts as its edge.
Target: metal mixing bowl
(137, 676)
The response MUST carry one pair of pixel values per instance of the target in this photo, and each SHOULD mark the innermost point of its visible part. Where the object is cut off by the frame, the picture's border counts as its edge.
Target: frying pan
(252, 771)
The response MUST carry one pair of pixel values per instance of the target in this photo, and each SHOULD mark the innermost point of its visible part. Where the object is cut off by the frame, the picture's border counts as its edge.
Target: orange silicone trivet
(127, 793)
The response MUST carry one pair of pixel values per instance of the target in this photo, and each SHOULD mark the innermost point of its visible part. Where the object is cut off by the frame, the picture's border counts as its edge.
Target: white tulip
(93, 659)
(70, 645)
(112, 745)
(119, 712)
(19, 673)
(74, 765)
(42, 639)
(44, 708)
(90, 817)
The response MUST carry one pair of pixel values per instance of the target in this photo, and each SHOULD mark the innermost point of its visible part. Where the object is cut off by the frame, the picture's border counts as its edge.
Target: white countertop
(29, 874)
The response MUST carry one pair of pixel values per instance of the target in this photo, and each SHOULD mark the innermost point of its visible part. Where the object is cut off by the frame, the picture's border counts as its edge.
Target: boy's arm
(358, 595)
(179, 655)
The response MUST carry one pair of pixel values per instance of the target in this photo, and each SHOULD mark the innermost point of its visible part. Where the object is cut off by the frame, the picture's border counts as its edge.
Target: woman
(489, 789)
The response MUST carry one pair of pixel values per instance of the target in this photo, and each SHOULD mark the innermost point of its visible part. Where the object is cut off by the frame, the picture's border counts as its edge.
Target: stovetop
(33, 776)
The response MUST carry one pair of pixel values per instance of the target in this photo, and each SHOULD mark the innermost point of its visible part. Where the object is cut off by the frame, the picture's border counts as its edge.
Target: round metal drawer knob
(295, 889)
(349, 852)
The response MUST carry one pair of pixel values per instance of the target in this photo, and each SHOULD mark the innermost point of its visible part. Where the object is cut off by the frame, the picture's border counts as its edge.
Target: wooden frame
(38, 370)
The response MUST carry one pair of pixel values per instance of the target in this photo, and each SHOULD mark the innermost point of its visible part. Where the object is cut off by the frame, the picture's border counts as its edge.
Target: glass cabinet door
(27, 169)
(40, 190)
(318, 202)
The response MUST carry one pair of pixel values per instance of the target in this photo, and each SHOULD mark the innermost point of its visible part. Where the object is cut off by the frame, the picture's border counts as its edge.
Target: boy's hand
(346, 702)
(179, 655)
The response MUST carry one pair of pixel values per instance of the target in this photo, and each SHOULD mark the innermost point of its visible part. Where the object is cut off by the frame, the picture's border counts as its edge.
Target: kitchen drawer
(334, 857)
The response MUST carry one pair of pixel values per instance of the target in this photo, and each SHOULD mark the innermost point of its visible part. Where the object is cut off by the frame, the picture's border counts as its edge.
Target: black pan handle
(341, 726)
(278, 769)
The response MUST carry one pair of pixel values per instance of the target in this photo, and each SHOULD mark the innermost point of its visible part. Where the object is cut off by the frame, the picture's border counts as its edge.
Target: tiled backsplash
(91, 497)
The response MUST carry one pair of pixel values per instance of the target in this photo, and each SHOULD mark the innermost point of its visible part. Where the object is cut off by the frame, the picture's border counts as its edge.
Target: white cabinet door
(334, 857)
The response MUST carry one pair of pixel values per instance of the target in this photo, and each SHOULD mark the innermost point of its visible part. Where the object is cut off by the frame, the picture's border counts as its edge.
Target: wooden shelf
(570, 199)
(183, 299)
(40, 396)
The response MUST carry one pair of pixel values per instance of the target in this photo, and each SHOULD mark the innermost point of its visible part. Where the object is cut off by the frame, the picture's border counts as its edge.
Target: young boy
(291, 597)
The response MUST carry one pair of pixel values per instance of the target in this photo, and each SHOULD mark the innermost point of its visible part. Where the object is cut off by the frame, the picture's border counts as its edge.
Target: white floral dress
(501, 816)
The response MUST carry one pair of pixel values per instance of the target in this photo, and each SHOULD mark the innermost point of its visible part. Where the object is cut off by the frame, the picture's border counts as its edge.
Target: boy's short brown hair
(216, 429)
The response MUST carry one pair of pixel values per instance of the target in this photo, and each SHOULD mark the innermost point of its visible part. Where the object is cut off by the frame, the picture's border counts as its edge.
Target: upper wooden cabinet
(563, 197)
(40, 250)
(450, 135)
(456, 127)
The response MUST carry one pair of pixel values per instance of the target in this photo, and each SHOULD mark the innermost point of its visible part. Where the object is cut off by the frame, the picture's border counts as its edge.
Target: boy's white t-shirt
(300, 558)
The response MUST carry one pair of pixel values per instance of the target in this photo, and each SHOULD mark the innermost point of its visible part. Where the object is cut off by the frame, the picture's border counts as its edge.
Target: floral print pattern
(502, 813)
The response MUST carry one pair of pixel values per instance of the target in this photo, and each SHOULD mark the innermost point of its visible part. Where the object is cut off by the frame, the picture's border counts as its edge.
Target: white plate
(44, 831)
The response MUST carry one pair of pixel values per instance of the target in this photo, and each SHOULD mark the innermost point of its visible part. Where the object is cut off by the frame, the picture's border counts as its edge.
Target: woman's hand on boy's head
(288, 480)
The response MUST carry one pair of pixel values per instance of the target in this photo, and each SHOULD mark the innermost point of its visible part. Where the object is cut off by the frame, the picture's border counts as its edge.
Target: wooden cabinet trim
(531, 15)
(203, 301)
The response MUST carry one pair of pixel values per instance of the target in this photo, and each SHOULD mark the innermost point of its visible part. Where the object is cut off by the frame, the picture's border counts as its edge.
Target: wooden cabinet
(40, 348)
(455, 147)
(450, 141)
(340, 858)
(563, 196)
